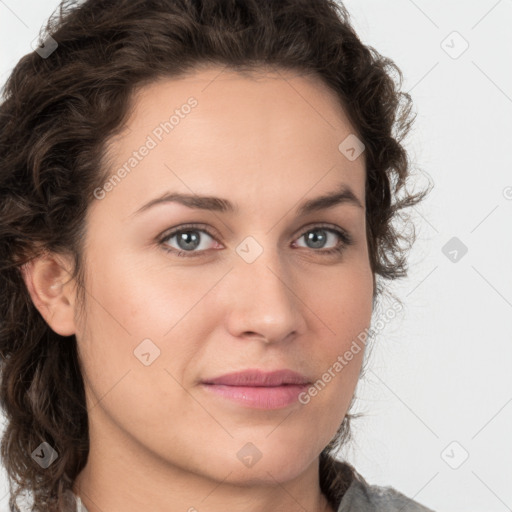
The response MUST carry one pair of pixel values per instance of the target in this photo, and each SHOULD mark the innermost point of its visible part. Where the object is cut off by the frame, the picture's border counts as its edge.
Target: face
(185, 291)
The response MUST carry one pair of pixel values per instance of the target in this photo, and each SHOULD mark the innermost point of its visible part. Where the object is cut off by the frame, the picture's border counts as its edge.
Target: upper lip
(255, 377)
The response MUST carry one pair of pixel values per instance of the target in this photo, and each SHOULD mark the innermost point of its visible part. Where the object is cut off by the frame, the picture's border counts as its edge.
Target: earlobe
(49, 285)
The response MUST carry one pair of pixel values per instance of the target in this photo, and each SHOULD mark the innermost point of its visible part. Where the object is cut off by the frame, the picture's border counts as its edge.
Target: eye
(187, 239)
(190, 240)
(318, 235)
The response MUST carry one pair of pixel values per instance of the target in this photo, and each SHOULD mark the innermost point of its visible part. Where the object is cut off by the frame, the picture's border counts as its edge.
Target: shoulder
(362, 497)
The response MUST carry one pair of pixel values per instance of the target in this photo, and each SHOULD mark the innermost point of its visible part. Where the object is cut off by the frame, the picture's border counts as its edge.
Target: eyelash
(346, 239)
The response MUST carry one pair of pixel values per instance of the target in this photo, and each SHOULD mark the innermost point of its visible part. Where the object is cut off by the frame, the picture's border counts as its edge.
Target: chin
(255, 458)
(270, 472)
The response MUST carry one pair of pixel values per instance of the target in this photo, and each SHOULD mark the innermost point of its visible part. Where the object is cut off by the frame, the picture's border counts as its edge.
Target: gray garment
(360, 497)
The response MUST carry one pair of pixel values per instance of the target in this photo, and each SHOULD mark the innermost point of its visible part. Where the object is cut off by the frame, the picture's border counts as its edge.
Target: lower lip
(259, 397)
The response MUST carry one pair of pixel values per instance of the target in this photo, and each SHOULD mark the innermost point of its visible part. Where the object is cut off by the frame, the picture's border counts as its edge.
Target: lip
(259, 389)
(256, 377)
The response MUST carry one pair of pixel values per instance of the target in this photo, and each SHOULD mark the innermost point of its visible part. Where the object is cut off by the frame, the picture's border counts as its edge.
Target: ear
(52, 291)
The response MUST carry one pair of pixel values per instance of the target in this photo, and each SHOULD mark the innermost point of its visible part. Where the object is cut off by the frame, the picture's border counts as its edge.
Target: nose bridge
(264, 302)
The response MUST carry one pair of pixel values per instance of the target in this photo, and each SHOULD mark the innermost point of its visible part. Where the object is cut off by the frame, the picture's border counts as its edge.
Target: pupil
(315, 239)
(186, 237)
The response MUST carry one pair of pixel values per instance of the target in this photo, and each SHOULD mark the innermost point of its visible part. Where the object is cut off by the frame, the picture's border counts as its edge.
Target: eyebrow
(342, 195)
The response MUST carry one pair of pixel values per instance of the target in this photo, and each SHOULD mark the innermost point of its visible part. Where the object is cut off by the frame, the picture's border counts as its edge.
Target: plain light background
(437, 397)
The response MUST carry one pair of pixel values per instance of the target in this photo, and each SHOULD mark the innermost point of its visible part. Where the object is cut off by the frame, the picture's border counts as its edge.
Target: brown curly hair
(58, 113)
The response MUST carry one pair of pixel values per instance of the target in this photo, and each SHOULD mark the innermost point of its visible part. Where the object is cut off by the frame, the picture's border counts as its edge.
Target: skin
(158, 440)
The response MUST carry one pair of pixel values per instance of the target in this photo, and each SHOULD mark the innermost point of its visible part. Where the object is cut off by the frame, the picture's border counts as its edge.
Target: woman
(196, 204)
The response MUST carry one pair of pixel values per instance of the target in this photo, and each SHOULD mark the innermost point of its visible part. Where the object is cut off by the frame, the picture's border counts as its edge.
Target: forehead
(261, 133)
(264, 93)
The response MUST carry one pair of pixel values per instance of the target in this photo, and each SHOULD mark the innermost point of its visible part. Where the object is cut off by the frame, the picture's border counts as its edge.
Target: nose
(264, 302)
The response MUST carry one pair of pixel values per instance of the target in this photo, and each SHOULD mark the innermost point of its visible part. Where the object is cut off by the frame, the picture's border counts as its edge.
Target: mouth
(258, 389)
(259, 397)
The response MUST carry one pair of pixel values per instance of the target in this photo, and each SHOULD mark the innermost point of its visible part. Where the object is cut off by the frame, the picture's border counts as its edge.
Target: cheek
(345, 309)
(126, 325)
(137, 313)
(344, 304)
(141, 299)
